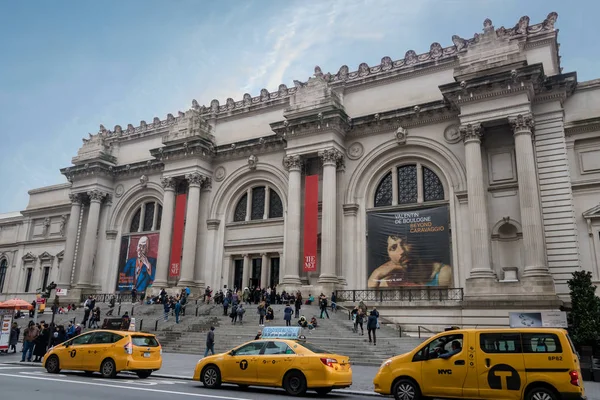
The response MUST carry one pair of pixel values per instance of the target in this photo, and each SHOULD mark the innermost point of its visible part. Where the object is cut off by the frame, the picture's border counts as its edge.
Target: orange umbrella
(16, 304)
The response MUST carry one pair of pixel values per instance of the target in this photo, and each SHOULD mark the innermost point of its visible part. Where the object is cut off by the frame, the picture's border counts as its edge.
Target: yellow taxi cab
(281, 358)
(108, 352)
(529, 363)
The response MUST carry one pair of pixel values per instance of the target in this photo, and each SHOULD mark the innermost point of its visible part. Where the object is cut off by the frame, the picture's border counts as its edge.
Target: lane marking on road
(15, 367)
(207, 396)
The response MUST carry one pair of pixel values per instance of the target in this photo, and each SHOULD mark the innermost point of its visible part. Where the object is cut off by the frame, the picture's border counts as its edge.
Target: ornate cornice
(292, 163)
(583, 126)
(471, 132)
(522, 123)
(98, 168)
(45, 256)
(29, 258)
(331, 156)
(245, 148)
(331, 119)
(168, 183)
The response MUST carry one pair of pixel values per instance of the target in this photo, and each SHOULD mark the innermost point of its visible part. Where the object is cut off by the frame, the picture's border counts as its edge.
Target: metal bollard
(119, 311)
(141, 324)
(132, 309)
(196, 311)
(155, 325)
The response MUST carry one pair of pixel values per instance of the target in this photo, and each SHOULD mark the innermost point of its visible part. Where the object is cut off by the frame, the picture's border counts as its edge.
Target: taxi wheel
(405, 389)
(108, 369)
(211, 377)
(323, 391)
(52, 365)
(294, 383)
(540, 393)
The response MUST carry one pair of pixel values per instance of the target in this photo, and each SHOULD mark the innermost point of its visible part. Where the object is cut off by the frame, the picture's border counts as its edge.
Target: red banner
(311, 221)
(177, 242)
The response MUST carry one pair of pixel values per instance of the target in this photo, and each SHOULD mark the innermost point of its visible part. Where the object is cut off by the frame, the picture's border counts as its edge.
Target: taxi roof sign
(281, 332)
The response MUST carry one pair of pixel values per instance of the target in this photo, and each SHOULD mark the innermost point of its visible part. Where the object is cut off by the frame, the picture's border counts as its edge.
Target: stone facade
(513, 141)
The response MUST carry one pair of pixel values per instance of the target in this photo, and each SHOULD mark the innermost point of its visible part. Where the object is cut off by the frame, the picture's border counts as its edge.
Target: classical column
(249, 204)
(246, 271)
(166, 234)
(394, 186)
(267, 202)
(142, 218)
(330, 158)
(89, 246)
(64, 279)
(477, 195)
(529, 198)
(190, 238)
(349, 244)
(200, 276)
(293, 221)
(212, 273)
(264, 270)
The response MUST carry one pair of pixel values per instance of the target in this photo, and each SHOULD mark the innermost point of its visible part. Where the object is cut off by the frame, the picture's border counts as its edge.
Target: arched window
(146, 218)
(408, 184)
(264, 203)
(3, 269)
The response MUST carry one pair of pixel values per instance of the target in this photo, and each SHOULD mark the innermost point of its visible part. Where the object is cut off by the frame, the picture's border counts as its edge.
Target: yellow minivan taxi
(108, 352)
(531, 364)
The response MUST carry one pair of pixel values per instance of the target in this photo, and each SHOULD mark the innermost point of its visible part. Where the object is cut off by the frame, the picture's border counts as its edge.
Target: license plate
(146, 355)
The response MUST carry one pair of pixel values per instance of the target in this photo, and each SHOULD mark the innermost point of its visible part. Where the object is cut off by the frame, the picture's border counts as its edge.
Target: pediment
(29, 257)
(45, 256)
(592, 213)
(61, 255)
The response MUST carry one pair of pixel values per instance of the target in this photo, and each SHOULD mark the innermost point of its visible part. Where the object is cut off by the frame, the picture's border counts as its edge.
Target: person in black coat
(40, 343)
(14, 337)
(372, 326)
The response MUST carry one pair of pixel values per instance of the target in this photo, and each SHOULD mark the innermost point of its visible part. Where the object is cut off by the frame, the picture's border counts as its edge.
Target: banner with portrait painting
(409, 248)
(137, 262)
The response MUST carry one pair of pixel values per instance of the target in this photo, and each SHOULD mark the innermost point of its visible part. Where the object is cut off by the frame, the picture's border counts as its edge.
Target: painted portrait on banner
(137, 266)
(409, 248)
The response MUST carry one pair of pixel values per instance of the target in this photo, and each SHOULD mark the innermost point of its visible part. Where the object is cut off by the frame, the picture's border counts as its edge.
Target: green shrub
(585, 309)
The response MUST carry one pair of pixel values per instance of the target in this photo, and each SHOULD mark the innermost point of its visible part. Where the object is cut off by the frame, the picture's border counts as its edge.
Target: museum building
(470, 169)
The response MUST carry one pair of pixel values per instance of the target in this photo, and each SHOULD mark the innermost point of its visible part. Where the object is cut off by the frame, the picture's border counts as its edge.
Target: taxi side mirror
(232, 353)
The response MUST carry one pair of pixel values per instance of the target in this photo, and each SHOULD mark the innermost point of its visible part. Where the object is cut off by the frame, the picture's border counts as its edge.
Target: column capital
(246, 255)
(75, 198)
(168, 183)
(350, 209)
(331, 156)
(263, 254)
(207, 184)
(471, 132)
(96, 195)
(213, 224)
(522, 123)
(195, 179)
(292, 163)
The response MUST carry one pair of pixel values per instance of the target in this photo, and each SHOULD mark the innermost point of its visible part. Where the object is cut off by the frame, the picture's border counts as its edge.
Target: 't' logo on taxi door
(504, 377)
(243, 364)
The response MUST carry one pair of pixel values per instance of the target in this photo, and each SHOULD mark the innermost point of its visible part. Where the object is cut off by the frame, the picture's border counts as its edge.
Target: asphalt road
(24, 382)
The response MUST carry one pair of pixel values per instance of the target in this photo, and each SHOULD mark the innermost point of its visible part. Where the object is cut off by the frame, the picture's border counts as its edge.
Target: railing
(402, 294)
(105, 297)
(422, 328)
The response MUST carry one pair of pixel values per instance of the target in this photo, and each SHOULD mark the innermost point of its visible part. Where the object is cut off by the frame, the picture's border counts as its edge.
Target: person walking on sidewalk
(261, 313)
(234, 314)
(333, 302)
(240, 313)
(372, 326)
(14, 337)
(111, 305)
(177, 311)
(210, 342)
(29, 335)
(225, 305)
(298, 305)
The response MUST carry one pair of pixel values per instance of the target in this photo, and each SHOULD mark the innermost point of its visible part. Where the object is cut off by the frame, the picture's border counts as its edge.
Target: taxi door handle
(459, 362)
(487, 362)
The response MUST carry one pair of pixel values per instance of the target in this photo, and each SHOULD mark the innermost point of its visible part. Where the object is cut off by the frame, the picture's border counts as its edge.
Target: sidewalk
(181, 366)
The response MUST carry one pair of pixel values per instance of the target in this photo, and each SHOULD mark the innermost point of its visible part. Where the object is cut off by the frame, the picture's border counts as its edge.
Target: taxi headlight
(386, 363)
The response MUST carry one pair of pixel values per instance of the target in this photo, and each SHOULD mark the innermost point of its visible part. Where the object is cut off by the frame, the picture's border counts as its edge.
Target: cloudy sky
(68, 66)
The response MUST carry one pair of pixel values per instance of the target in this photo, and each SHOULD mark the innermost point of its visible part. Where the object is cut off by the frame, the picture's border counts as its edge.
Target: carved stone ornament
(522, 25)
(118, 130)
(247, 99)
(207, 184)
(363, 69)
(355, 151)
(292, 163)
(488, 27)
(214, 106)
(168, 183)
(386, 63)
(410, 57)
(521, 123)
(459, 42)
(330, 156)
(401, 134)
(452, 134)
(471, 132)
(156, 122)
(143, 181)
(195, 179)
(195, 105)
(63, 223)
(550, 20)
(75, 198)
(252, 162)
(283, 90)
(230, 103)
(436, 51)
(264, 95)
(119, 190)
(343, 73)
(143, 125)
(96, 195)
(29, 257)
(220, 173)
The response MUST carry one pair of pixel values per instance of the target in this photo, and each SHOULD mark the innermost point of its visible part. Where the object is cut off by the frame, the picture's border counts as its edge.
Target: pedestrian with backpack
(240, 313)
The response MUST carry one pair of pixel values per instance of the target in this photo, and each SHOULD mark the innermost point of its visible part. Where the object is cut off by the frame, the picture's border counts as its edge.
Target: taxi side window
(251, 349)
(442, 345)
(273, 348)
(105, 338)
(541, 343)
(82, 339)
(500, 343)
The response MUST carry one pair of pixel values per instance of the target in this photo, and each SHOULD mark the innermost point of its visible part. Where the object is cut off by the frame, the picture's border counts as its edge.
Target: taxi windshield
(144, 341)
(313, 348)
